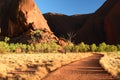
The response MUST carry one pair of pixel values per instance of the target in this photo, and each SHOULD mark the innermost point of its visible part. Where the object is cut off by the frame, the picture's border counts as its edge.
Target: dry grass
(111, 63)
(34, 66)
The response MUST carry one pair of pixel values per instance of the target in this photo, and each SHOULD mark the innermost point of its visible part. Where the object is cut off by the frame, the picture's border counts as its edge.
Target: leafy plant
(102, 47)
(93, 47)
(69, 46)
(36, 35)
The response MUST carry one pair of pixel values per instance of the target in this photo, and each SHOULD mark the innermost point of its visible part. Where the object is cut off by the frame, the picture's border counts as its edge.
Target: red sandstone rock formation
(101, 26)
(17, 16)
(112, 24)
(94, 30)
(63, 25)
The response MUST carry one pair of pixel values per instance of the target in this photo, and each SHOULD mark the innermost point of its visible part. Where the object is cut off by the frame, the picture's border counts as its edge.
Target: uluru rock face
(18, 16)
(112, 24)
(101, 26)
(94, 30)
(63, 25)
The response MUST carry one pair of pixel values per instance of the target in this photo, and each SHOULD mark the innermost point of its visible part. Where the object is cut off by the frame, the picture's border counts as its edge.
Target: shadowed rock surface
(20, 18)
(112, 24)
(62, 25)
(101, 26)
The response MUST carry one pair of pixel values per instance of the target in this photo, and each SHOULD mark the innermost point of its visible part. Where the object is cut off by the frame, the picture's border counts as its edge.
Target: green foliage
(93, 47)
(111, 48)
(36, 35)
(82, 47)
(69, 46)
(52, 47)
(4, 47)
(77, 48)
(118, 47)
(102, 47)
(7, 39)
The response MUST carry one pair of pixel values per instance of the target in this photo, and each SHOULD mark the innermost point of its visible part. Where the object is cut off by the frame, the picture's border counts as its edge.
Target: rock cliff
(112, 24)
(18, 16)
(64, 25)
(101, 26)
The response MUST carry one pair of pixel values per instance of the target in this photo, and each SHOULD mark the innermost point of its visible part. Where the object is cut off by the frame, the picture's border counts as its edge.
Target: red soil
(85, 69)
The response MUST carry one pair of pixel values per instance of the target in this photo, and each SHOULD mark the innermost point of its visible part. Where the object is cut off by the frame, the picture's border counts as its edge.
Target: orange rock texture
(17, 16)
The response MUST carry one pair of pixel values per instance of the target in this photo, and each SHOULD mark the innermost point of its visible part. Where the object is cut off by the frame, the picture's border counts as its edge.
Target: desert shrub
(111, 48)
(93, 47)
(53, 46)
(118, 47)
(102, 47)
(46, 47)
(4, 47)
(76, 48)
(6, 39)
(38, 47)
(69, 47)
(30, 48)
(36, 35)
(12, 47)
(50, 47)
(83, 47)
(24, 47)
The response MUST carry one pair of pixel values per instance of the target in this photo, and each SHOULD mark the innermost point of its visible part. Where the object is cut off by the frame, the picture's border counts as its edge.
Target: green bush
(118, 47)
(4, 47)
(111, 48)
(83, 47)
(93, 47)
(69, 47)
(52, 47)
(102, 47)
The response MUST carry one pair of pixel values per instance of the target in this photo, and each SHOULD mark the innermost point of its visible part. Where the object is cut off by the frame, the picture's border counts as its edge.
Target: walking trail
(84, 69)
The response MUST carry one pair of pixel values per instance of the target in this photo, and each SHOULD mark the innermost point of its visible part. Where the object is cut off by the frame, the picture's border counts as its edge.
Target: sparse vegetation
(34, 66)
(48, 62)
(111, 63)
(52, 47)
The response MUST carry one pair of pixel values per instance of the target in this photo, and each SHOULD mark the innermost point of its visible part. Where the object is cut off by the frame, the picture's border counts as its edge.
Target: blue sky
(69, 7)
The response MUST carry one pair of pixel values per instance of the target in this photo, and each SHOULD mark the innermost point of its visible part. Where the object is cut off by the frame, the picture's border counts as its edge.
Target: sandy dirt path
(85, 69)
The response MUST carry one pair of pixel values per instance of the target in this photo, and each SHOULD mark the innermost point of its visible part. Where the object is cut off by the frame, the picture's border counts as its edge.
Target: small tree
(93, 47)
(102, 47)
(83, 47)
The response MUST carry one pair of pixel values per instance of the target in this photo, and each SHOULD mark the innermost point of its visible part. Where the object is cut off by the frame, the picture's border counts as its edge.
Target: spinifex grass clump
(111, 63)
